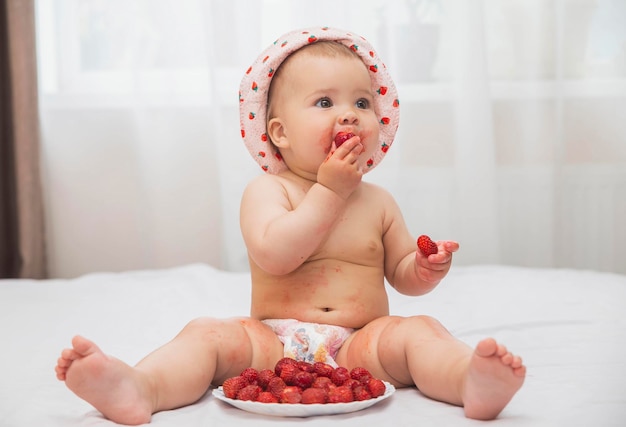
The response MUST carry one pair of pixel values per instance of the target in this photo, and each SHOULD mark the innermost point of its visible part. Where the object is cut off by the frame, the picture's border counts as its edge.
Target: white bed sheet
(568, 325)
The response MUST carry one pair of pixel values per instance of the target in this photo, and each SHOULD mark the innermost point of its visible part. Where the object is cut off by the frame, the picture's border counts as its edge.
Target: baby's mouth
(342, 137)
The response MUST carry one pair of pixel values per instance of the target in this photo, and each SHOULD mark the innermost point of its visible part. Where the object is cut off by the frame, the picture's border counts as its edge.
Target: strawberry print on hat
(255, 85)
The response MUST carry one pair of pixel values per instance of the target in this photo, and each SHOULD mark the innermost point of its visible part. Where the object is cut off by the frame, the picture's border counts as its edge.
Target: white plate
(302, 410)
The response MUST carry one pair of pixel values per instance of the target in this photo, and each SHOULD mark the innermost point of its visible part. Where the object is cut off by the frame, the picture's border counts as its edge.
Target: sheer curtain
(512, 137)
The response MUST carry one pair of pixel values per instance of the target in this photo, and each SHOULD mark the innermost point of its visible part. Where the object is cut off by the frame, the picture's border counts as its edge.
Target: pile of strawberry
(294, 381)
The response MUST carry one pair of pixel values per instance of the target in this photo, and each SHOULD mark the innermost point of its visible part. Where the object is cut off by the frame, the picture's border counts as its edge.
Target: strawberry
(323, 369)
(361, 393)
(340, 375)
(233, 385)
(282, 362)
(306, 366)
(288, 373)
(322, 382)
(250, 374)
(249, 392)
(276, 386)
(314, 395)
(376, 387)
(264, 377)
(352, 383)
(303, 379)
(342, 137)
(267, 397)
(291, 394)
(340, 395)
(426, 246)
(360, 374)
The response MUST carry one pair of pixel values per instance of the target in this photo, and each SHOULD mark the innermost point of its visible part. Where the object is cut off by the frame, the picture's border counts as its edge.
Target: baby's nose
(349, 117)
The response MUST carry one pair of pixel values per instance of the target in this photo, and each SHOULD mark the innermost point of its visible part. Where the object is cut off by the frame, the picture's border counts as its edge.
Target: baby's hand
(434, 267)
(341, 171)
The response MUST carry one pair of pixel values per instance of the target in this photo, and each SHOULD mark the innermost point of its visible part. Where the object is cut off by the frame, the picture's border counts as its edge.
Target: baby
(320, 242)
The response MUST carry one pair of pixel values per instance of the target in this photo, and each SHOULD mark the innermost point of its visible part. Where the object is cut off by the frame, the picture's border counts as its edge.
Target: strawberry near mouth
(342, 137)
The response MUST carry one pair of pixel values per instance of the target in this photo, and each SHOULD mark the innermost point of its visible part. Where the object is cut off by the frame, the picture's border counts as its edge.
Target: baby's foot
(111, 386)
(494, 376)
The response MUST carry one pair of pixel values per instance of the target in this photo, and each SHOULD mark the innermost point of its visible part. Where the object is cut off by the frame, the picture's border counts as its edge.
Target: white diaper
(310, 342)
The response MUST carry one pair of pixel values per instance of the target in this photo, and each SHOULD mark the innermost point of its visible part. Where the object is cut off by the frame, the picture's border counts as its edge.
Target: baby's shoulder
(376, 191)
(263, 181)
(378, 201)
(271, 189)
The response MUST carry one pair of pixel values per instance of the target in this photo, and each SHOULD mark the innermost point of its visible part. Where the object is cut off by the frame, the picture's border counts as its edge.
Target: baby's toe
(507, 359)
(517, 362)
(501, 351)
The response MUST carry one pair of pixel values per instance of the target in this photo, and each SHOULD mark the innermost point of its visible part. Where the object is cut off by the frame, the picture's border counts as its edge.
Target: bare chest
(356, 235)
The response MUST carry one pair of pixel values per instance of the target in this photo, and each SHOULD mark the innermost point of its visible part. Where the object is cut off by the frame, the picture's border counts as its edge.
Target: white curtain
(512, 137)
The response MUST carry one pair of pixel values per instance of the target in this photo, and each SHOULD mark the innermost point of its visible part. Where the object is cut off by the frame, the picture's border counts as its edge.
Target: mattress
(568, 325)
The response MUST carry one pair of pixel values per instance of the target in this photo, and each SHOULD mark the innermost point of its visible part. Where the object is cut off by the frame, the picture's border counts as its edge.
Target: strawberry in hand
(342, 137)
(342, 171)
(426, 245)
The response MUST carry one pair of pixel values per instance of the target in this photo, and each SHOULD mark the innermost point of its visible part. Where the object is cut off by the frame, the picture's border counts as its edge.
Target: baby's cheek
(325, 142)
(369, 139)
(325, 145)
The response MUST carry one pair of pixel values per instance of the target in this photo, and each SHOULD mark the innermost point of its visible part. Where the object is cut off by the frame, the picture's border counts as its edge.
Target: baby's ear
(276, 132)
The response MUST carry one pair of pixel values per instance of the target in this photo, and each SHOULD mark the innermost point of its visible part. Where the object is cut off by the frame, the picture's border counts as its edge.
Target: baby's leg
(419, 350)
(177, 374)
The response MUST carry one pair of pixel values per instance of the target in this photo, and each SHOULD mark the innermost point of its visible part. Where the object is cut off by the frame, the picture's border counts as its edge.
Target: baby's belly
(325, 291)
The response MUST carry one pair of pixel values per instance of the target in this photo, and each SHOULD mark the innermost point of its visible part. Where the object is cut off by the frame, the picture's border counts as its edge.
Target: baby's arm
(279, 236)
(406, 269)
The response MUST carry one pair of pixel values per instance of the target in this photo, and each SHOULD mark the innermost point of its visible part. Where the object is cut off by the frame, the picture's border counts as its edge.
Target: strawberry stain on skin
(286, 298)
(323, 142)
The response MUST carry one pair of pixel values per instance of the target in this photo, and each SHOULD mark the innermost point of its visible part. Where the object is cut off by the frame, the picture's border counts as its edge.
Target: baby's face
(320, 96)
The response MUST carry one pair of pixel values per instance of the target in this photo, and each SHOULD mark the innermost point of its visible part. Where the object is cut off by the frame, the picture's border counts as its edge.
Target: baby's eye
(363, 104)
(324, 103)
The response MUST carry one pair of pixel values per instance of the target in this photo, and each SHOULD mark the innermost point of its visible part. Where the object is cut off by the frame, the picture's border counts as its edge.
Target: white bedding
(568, 325)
